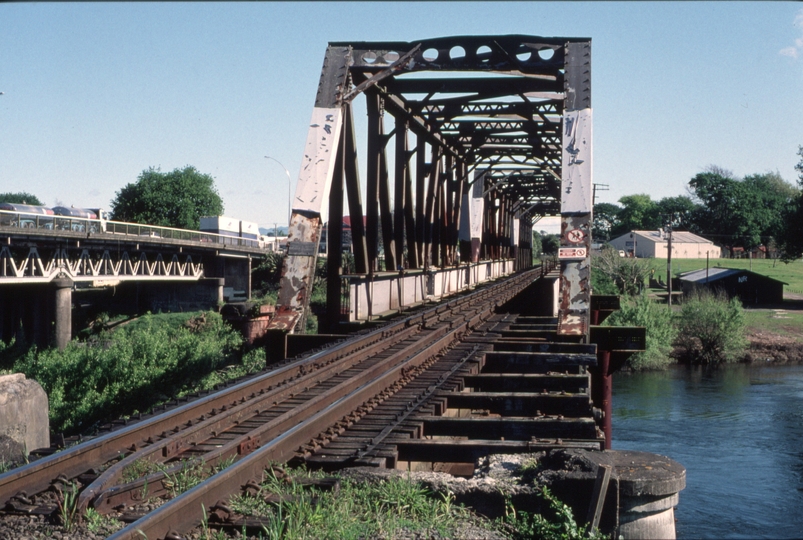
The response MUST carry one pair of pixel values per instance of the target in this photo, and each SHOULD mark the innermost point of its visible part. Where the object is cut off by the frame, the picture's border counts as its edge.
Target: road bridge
(41, 253)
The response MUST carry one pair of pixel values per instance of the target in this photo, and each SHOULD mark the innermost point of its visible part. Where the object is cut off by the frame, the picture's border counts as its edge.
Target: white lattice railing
(88, 265)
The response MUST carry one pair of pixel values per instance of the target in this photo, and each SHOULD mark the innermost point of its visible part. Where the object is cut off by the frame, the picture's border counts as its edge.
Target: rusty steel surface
(528, 395)
(575, 277)
(514, 125)
(380, 399)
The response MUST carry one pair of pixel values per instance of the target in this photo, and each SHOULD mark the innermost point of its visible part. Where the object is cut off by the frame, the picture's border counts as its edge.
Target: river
(739, 433)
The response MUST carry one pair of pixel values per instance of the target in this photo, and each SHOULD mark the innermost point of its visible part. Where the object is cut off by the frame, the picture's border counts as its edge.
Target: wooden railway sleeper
(411, 407)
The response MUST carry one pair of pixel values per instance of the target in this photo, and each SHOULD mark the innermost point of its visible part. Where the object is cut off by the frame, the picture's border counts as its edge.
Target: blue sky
(94, 93)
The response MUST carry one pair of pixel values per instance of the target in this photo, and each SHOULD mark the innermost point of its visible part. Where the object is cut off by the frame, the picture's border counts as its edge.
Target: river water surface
(739, 433)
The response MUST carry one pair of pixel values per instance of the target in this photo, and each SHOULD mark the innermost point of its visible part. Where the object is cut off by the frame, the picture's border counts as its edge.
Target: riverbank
(775, 333)
(772, 348)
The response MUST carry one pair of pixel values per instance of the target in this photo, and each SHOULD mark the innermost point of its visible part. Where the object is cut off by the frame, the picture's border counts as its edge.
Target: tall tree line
(759, 209)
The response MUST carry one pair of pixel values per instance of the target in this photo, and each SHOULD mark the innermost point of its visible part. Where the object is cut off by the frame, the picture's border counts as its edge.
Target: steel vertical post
(334, 239)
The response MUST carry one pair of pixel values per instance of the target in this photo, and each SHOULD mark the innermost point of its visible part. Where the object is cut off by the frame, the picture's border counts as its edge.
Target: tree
(738, 212)
(536, 245)
(773, 198)
(606, 219)
(790, 238)
(678, 212)
(639, 213)
(20, 198)
(628, 274)
(550, 243)
(719, 196)
(175, 199)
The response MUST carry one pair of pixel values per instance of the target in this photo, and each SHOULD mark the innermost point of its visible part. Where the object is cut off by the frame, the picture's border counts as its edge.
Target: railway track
(395, 396)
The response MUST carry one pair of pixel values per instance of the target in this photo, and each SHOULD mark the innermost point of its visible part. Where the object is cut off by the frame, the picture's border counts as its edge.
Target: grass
(791, 274)
(559, 525)
(788, 324)
(100, 524)
(179, 477)
(396, 507)
(67, 501)
(385, 509)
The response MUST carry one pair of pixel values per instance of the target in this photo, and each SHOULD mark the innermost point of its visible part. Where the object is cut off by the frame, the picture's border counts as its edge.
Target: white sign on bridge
(566, 253)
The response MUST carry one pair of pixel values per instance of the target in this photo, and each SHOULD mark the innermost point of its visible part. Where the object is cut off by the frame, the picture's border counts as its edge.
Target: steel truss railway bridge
(470, 140)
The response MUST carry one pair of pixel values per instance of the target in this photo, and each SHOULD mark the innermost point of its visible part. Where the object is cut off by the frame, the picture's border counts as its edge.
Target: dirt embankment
(769, 347)
(779, 348)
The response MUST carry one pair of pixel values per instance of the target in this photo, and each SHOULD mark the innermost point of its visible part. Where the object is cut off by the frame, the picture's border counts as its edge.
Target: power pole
(600, 187)
(669, 262)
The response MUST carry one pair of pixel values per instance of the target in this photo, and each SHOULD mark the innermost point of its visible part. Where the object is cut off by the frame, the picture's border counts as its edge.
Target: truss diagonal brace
(385, 73)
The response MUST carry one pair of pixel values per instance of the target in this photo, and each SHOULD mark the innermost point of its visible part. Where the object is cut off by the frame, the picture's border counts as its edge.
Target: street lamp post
(289, 186)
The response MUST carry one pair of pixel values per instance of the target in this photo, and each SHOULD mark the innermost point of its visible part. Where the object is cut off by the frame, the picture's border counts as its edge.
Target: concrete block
(24, 423)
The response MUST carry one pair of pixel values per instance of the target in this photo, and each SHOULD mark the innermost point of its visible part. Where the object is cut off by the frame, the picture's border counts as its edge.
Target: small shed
(751, 288)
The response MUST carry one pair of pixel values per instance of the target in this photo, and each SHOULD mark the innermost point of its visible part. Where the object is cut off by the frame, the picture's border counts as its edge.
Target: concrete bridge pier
(634, 500)
(63, 314)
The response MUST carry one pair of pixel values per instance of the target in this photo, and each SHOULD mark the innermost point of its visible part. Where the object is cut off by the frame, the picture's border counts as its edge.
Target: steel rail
(172, 446)
(244, 443)
(186, 511)
(39, 475)
(104, 495)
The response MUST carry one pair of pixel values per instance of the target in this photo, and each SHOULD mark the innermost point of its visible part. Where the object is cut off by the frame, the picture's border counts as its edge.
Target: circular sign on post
(575, 236)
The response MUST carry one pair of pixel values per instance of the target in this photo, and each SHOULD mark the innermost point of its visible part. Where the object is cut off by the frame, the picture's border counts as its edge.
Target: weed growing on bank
(708, 329)
(661, 330)
(711, 328)
(385, 509)
(395, 507)
(134, 368)
(558, 524)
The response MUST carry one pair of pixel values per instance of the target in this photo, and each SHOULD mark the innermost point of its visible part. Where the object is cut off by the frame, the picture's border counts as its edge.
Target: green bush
(628, 274)
(558, 523)
(265, 277)
(711, 328)
(661, 332)
(127, 371)
(602, 283)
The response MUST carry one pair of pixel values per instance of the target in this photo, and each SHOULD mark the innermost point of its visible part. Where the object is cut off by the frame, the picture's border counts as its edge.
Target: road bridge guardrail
(29, 222)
